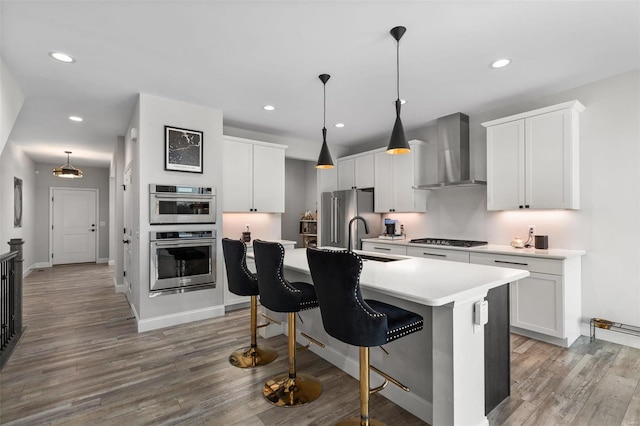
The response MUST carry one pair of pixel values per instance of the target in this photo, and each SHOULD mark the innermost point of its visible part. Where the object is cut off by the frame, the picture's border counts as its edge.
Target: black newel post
(15, 244)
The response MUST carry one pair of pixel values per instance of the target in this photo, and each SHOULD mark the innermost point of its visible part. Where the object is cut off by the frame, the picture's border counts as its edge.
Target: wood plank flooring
(82, 362)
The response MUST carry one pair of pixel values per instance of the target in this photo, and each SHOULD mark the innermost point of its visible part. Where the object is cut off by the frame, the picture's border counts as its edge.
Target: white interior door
(74, 225)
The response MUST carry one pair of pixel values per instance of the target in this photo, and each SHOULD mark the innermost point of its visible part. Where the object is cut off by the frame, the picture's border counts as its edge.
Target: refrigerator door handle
(334, 220)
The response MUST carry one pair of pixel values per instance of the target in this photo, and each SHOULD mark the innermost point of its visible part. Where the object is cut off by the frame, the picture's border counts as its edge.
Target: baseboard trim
(612, 336)
(565, 343)
(41, 265)
(111, 262)
(163, 321)
(102, 260)
(119, 288)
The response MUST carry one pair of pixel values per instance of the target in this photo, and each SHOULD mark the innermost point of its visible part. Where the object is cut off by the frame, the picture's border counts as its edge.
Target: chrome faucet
(366, 228)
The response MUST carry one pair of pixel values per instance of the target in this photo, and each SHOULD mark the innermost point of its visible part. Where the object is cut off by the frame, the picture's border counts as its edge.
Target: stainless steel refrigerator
(338, 208)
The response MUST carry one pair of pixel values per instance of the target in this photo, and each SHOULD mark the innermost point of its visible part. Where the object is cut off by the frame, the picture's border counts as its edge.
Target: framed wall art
(182, 150)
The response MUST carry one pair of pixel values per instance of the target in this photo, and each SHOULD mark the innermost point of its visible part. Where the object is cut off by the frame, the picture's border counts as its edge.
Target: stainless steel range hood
(453, 153)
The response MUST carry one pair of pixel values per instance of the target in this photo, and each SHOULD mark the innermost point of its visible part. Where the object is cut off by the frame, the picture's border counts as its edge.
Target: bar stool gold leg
(254, 355)
(364, 419)
(292, 389)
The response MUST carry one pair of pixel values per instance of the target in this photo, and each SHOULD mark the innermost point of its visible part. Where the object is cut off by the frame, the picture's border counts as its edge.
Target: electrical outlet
(532, 229)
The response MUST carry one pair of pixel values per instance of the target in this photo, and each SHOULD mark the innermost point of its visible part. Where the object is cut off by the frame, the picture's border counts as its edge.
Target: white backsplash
(265, 226)
(461, 213)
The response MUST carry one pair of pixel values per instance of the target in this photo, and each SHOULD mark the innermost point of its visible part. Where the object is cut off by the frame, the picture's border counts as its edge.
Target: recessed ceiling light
(75, 118)
(500, 63)
(339, 125)
(62, 57)
(269, 107)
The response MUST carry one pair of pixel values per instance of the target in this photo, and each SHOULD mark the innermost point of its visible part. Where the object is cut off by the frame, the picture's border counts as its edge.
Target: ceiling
(241, 55)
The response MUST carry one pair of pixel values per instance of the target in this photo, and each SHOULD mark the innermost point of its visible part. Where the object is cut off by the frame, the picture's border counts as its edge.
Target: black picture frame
(17, 202)
(183, 150)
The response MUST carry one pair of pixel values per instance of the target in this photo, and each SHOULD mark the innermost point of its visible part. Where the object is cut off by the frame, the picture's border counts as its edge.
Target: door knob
(93, 230)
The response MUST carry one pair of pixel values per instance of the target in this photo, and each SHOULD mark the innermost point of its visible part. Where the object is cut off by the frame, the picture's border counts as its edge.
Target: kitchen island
(443, 364)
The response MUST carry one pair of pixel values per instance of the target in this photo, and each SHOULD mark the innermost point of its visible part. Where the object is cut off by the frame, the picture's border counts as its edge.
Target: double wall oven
(182, 256)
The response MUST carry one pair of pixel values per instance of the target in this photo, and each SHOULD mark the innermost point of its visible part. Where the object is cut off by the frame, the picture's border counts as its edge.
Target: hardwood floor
(81, 361)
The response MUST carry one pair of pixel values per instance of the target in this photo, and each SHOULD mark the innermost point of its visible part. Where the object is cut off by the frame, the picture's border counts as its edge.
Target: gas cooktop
(446, 242)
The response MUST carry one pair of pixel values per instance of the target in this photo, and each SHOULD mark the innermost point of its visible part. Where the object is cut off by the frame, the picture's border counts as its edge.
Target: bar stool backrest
(275, 292)
(241, 281)
(345, 314)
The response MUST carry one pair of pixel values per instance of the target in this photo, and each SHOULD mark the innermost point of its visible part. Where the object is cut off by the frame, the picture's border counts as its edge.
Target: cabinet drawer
(439, 254)
(531, 264)
(384, 248)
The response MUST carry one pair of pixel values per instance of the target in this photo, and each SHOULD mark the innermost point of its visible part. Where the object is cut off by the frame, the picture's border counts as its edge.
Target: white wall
(300, 196)
(148, 159)
(15, 163)
(94, 178)
(11, 100)
(607, 225)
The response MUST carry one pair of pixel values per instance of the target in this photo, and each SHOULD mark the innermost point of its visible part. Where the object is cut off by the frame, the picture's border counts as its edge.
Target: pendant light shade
(398, 143)
(324, 159)
(67, 170)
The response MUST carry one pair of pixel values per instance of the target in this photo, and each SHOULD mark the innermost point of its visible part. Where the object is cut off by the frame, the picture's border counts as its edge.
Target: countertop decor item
(67, 170)
(324, 159)
(182, 150)
(398, 143)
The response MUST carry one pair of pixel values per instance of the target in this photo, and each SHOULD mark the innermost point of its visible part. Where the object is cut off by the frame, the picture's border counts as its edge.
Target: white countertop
(491, 248)
(283, 242)
(424, 281)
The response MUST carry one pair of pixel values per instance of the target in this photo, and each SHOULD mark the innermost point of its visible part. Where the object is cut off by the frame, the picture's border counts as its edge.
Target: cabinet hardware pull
(434, 254)
(526, 206)
(381, 248)
(511, 263)
(520, 207)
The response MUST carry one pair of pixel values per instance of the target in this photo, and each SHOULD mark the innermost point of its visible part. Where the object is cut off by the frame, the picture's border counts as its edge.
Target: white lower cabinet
(384, 248)
(439, 254)
(547, 304)
(231, 299)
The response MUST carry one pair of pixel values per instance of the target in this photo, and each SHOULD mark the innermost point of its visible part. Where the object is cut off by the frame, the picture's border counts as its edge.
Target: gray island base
(444, 364)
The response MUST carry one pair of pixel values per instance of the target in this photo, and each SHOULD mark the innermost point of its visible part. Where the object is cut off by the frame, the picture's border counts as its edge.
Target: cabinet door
(403, 192)
(268, 179)
(505, 166)
(383, 182)
(237, 176)
(536, 304)
(549, 154)
(346, 174)
(364, 171)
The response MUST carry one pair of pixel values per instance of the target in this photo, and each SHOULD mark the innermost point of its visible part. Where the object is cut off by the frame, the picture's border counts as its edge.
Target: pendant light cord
(398, 67)
(324, 105)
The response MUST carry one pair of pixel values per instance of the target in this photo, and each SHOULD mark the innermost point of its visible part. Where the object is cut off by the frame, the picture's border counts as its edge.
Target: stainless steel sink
(366, 257)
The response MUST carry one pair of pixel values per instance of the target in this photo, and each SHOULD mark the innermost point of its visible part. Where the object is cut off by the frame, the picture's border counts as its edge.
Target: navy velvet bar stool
(355, 321)
(245, 283)
(279, 295)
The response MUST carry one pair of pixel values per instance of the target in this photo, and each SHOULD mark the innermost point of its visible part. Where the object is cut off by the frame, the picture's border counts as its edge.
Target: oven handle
(184, 243)
(185, 196)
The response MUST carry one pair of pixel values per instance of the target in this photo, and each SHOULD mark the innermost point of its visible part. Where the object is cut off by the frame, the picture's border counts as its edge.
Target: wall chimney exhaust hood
(453, 153)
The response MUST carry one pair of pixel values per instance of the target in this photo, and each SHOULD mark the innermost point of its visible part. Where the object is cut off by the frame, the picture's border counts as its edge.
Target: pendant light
(398, 142)
(324, 159)
(67, 170)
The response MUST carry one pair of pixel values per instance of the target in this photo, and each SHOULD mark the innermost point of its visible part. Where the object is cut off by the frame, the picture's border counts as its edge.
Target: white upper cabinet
(395, 177)
(356, 171)
(253, 176)
(532, 159)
